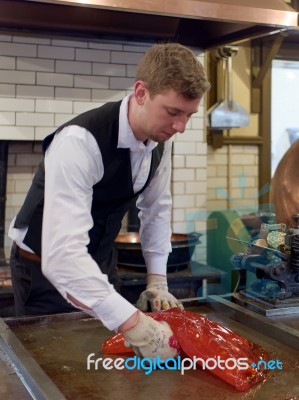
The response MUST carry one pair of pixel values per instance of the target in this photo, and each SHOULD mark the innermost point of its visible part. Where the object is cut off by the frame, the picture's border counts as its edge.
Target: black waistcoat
(111, 196)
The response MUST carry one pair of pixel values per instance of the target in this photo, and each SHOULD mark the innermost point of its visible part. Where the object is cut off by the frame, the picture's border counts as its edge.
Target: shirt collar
(126, 138)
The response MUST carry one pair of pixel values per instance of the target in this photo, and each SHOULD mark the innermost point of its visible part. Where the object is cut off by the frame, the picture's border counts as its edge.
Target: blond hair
(173, 66)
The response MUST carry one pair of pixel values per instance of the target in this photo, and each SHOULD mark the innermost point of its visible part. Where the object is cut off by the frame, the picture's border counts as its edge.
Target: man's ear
(140, 91)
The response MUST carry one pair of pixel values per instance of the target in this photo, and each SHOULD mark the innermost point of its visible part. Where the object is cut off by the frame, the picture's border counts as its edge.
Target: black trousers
(35, 295)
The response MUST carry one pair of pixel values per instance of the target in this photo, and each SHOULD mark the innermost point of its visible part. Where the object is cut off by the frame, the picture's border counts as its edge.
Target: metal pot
(130, 252)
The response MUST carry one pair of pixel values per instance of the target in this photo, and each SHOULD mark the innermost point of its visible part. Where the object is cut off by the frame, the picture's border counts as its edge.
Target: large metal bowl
(130, 253)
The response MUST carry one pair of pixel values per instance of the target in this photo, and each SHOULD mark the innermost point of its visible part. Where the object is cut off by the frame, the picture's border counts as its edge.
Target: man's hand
(150, 338)
(157, 296)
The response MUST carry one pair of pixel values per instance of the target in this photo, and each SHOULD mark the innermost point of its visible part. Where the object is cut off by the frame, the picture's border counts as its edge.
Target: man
(94, 166)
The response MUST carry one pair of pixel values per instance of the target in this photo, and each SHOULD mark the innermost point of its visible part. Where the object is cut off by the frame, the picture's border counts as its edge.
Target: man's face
(163, 115)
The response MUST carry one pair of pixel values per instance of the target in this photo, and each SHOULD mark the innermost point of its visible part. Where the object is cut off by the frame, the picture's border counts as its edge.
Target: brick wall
(45, 81)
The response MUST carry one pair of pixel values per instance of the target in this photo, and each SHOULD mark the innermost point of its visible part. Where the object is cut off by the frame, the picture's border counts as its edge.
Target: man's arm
(155, 205)
(73, 164)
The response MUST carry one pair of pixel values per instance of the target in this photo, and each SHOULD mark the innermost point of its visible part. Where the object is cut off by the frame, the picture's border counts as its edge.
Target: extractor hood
(201, 23)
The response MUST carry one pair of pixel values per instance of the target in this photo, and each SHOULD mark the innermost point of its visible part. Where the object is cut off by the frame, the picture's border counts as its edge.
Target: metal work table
(283, 328)
(11, 386)
(50, 354)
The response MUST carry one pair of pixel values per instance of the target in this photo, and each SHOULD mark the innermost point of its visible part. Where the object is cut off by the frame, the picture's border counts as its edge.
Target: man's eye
(172, 113)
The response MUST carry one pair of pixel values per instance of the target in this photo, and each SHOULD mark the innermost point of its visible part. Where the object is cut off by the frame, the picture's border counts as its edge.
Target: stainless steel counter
(283, 328)
(50, 354)
(11, 386)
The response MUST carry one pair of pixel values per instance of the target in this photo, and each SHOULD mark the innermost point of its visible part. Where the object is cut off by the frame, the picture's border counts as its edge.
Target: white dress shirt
(73, 165)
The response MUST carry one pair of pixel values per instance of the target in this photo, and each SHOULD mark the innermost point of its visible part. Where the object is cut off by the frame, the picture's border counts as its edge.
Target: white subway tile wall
(46, 81)
(232, 179)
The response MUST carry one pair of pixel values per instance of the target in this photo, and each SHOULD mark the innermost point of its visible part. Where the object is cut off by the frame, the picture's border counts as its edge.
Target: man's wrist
(129, 323)
(153, 279)
(157, 282)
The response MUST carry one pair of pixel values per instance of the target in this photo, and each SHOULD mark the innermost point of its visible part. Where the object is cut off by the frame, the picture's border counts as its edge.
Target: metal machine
(274, 257)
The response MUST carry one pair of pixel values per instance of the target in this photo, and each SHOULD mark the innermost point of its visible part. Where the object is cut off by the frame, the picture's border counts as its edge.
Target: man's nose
(180, 125)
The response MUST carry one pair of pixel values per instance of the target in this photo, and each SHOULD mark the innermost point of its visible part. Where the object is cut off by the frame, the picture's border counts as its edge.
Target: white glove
(157, 295)
(150, 338)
